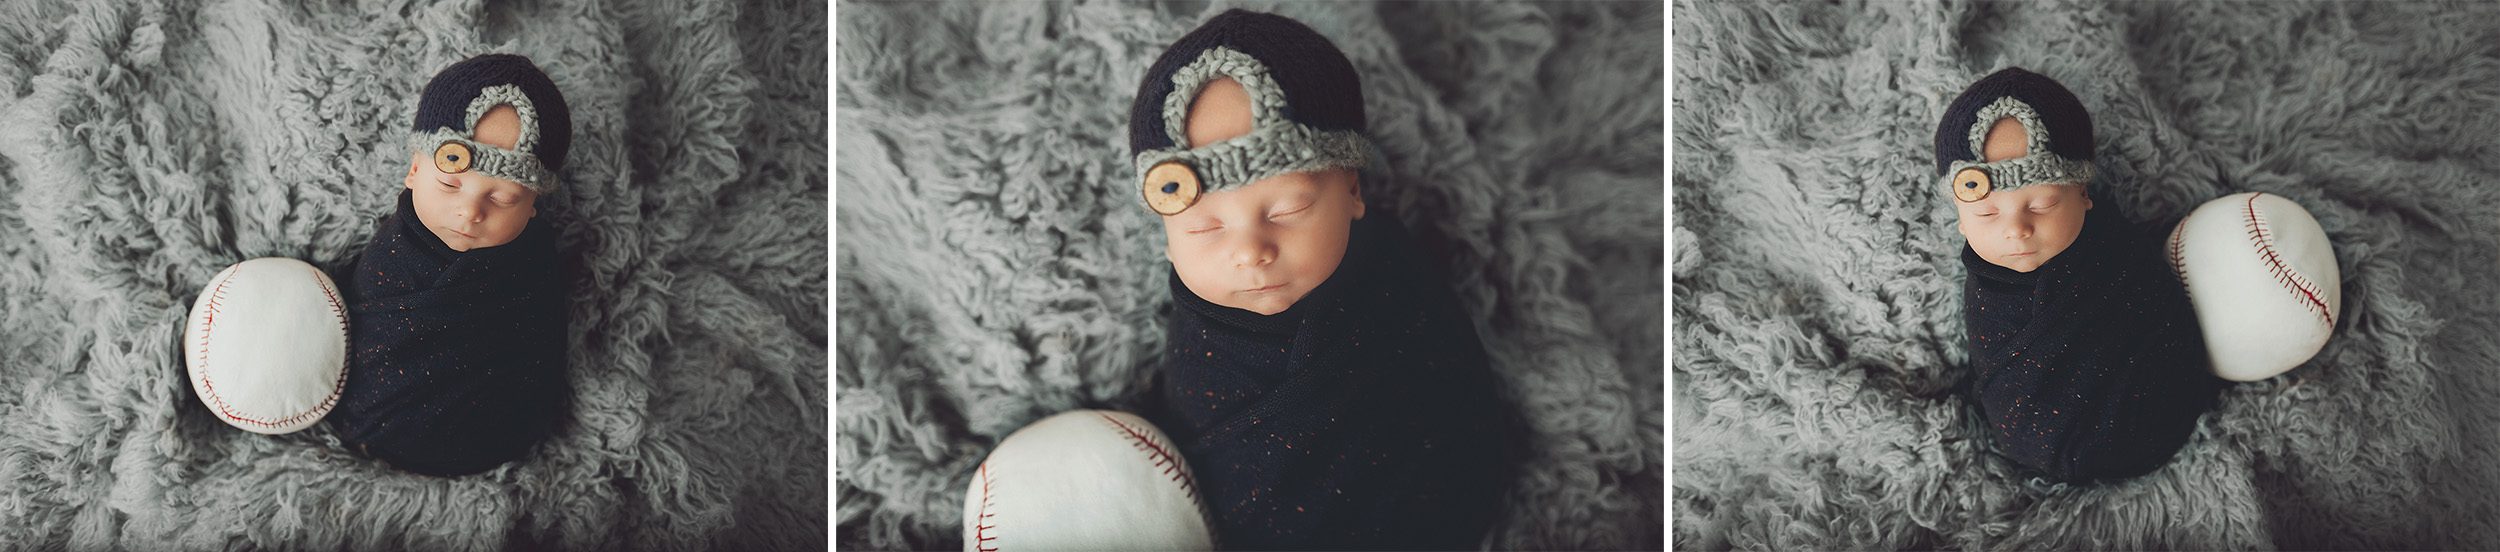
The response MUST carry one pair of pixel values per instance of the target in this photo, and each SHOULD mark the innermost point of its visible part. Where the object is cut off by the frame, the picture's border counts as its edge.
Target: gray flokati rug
(996, 266)
(146, 145)
(1817, 288)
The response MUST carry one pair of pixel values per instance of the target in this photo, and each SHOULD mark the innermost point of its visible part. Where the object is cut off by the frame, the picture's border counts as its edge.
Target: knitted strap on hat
(2038, 165)
(1275, 145)
(520, 163)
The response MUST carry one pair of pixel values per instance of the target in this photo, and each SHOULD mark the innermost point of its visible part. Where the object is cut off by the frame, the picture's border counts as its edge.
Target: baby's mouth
(1264, 289)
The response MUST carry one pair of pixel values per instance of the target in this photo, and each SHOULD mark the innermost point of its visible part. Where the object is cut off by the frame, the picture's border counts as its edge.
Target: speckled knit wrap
(2092, 366)
(455, 359)
(1365, 417)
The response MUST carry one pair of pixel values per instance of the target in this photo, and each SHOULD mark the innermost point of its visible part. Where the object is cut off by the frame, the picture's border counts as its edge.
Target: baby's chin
(2022, 264)
(1264, 305)
(462, 243)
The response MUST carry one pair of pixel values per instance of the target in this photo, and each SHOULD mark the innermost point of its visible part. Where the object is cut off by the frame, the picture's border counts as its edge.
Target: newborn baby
(1322, 382)
(456, 334)
(2087, 361)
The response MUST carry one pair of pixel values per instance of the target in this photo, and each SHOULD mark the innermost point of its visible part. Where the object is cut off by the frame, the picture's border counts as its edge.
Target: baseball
(2263, 281)
(1085, 480)
(267, 345)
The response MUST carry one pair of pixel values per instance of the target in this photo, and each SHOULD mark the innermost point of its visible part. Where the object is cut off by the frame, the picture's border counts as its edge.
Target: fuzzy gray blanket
(146, 145)
(1818, 330)
(997, 266)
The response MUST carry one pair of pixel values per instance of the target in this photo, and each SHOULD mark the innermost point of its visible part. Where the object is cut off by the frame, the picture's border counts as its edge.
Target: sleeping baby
(456, 335)
(2087, 362)
(1322, 381)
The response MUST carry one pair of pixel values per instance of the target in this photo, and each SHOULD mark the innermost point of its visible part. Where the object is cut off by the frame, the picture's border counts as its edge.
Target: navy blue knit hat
(1306, 109)
(448, 111)
(2059, 129)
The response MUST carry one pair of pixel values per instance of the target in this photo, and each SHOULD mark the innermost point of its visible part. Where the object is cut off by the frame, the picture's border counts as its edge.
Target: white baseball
(1085, 480)
(267, 345)
(2263, 279)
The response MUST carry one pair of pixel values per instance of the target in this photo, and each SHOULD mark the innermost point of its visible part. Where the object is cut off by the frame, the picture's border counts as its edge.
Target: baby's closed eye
(1291, 211)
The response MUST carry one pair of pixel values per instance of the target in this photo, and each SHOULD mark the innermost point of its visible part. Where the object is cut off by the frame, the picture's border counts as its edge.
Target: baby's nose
(1255, 253)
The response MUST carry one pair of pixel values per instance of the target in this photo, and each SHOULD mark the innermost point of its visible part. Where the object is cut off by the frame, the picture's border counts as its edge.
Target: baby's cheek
(1175, 250)
(429, 211)
(510, 229)
(1319, 251)
(1185, 260)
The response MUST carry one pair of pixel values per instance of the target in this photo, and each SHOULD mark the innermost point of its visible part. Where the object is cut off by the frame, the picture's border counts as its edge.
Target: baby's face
(1263, 246)
(2023, 228)
(470, 210)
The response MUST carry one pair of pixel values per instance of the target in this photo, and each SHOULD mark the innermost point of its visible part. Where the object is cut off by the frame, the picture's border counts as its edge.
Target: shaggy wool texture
(1818, 326)
(996, 264)
(146, 145)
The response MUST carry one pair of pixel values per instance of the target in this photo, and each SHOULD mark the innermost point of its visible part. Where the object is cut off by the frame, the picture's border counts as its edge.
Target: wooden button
(1971, 184)
(1171, 187)
(453, 157)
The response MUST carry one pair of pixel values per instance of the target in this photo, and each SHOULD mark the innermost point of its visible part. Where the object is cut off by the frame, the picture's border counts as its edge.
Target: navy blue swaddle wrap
(2091, 366)
(455, 359)
(1363, 417)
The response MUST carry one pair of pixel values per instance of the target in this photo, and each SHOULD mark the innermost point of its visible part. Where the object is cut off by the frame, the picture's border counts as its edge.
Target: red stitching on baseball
(2263, 236)
(2178, 257)
(208, 320)
(335, 307)
(1163, 457)
(208, 386)
(980, 525)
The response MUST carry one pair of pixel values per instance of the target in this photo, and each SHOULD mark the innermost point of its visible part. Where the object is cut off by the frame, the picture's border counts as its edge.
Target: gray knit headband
(1972, 180)
(457, 152)
(1173, 178)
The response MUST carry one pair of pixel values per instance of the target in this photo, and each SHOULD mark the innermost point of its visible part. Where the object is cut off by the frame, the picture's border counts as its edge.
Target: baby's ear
(1355, 186)
(411, 180)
